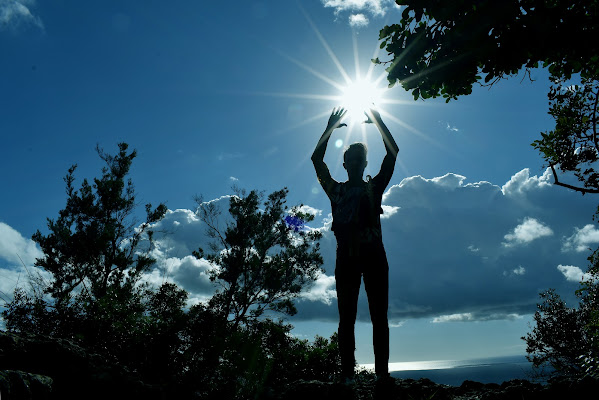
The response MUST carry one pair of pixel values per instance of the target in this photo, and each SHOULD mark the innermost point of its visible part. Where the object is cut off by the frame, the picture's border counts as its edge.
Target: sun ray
(326, 46)
(304, 122)
(377, 50)
(311, 70)
(417, 132)
(356, 58)
(327, 97)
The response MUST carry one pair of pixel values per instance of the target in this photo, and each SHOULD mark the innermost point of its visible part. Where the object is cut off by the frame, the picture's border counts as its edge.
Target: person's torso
(356, 212)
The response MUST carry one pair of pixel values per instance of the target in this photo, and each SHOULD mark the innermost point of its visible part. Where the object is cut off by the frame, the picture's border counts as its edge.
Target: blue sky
(215, 93)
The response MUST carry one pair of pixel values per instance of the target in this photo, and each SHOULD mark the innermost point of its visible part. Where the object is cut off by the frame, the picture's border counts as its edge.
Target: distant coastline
(454, 372)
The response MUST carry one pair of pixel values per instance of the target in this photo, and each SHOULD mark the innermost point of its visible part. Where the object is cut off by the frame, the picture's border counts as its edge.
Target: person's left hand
(373, 115)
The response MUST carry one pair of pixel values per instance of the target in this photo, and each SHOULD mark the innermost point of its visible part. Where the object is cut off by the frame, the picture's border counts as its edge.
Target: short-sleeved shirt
(356, 208)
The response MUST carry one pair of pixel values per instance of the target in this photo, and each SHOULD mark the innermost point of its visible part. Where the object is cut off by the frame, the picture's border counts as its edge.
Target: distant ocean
(452, 372)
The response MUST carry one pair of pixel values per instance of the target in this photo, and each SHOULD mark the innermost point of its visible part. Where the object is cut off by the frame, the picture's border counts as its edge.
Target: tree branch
(576, 188)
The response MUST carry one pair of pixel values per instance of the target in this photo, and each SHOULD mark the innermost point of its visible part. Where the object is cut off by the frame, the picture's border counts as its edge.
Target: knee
(379, 319)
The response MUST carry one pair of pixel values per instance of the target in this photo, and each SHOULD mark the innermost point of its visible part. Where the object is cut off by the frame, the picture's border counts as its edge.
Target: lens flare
(359, 96)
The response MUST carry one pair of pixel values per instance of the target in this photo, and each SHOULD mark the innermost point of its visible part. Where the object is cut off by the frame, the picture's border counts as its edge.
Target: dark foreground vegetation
(96, 329)
(35, 367)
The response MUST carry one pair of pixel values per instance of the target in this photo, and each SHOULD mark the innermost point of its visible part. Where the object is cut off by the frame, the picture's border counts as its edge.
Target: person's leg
(376, 283)
(347, 280)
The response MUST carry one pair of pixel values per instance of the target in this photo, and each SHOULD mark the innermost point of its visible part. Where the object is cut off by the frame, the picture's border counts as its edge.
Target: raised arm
(391, 147)
(334, 122)
(322, 171)
(375, 118)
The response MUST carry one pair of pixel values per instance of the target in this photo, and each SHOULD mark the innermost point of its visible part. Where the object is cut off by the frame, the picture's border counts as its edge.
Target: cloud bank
(457, 251)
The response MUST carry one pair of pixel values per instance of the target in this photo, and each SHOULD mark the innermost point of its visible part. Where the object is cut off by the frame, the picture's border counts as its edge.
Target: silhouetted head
(354, 160)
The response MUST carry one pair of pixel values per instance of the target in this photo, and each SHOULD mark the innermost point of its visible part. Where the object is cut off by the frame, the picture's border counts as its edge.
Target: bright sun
(358, 96)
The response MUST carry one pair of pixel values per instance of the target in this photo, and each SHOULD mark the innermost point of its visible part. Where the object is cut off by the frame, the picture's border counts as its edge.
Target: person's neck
(355, 180)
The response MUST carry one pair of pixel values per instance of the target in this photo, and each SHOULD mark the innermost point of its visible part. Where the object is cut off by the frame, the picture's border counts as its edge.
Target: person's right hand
(336, 117)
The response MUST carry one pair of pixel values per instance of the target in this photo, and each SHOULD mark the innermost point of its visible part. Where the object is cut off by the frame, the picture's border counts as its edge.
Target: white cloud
(358, 20)
(522, 182)
(358, 9)
(453, 318)
(233, 179)
(582, 239)
(473, 248)
(526, 232)
(519, 271)
(15, 14)
(323, 290)
(310, 210)
(15, 249)
(451, 128)
(388, 211)
(375, 7)
(572, 273)
(470, 317)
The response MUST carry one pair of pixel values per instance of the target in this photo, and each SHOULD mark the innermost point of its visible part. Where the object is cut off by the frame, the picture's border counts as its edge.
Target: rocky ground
(424, 389)
(41, 368)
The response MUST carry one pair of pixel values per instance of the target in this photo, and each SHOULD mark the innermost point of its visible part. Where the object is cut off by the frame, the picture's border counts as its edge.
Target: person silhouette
(356, 209)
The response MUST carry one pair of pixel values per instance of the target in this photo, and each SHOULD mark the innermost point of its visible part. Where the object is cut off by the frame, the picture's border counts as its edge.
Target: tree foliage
(442, 48)
(573, 146)
(96, 253)
(262, 262)
(93, 246)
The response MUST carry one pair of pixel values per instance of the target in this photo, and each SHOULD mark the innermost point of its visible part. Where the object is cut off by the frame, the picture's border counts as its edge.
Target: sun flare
(358, 96)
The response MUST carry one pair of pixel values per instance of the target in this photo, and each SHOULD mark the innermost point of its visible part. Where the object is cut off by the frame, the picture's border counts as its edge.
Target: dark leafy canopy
(573, 146)
(93, 245)
(263, 263)
(441, 48)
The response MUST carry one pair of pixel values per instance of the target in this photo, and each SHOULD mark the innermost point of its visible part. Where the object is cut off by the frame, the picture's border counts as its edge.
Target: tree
(559, 338)
(93, 252)
(441, 48)
(93, 246)
(573, 146)
(262, 262)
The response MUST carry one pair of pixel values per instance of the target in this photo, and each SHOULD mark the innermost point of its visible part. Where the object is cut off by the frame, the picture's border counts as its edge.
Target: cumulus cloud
(522, 182)
(358, 20)
(16, 14)
(15, 249)
(573, 274)
(323, 290)
(310, 210)
(358, 8)
(388, 211)
(444, 241)
(582, 239)
(526, 232)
